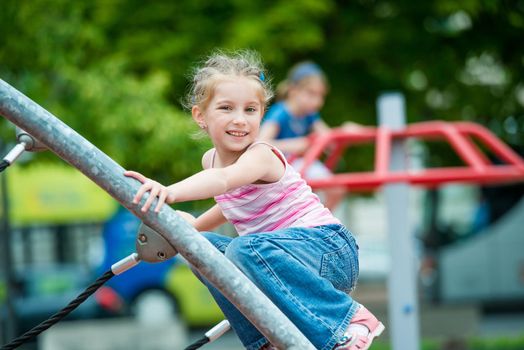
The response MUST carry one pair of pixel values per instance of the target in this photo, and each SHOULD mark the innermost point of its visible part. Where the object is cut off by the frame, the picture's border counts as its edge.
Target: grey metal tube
(106, 173)
(402, 279)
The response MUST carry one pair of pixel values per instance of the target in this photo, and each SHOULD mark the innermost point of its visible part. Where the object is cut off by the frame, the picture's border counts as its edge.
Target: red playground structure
(460, 135)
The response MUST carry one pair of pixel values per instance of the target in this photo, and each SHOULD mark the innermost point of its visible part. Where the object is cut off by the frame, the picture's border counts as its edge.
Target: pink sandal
(364, 327)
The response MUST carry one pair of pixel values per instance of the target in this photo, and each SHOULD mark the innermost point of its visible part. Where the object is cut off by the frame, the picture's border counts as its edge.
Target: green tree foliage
(116, 70)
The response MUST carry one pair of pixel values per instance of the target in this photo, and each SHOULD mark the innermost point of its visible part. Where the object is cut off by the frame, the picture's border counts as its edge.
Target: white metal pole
(402, 279)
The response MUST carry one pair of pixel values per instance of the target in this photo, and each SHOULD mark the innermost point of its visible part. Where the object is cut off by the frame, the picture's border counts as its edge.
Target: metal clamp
(30, 143)
(26, 142)
(152, 246)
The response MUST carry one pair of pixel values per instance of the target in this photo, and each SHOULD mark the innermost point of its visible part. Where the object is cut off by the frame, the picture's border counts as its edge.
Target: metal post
(402, 287)
(106, 173)
(8, 326)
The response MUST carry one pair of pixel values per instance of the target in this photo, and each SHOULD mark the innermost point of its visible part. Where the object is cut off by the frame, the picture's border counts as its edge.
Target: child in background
(295, 116)
(292, 248)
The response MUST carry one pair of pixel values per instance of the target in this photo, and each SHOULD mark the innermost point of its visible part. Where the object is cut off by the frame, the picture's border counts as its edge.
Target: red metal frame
(478, 168)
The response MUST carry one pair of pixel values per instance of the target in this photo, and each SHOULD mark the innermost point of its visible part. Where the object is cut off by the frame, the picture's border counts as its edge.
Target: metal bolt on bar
(101, 169)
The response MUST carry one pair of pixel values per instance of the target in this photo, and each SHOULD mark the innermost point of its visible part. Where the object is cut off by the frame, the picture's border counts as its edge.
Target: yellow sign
(54, 193)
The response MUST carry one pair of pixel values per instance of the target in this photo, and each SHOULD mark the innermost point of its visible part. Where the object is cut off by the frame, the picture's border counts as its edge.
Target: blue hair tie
(262, 76)
(304, 70)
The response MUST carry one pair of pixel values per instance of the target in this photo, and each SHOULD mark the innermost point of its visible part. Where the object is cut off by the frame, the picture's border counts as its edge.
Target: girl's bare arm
(257, 163)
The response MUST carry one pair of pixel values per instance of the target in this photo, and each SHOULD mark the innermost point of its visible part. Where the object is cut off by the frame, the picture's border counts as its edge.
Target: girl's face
(233, 115)
(309, 96)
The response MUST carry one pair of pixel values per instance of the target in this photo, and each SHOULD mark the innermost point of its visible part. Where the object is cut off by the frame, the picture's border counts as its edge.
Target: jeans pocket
(340, 267)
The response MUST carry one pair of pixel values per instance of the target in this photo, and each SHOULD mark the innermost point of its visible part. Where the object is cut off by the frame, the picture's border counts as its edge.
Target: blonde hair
(220, 65)
(298, 76)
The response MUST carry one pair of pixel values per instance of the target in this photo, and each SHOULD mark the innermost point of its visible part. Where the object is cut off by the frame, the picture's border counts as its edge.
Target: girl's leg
(246, 332)
(307, 273)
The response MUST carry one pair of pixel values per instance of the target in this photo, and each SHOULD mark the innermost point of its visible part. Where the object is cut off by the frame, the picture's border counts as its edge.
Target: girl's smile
(237, 133)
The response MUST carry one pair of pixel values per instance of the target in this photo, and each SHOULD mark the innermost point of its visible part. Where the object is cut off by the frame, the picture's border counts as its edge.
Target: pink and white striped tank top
(288, 202)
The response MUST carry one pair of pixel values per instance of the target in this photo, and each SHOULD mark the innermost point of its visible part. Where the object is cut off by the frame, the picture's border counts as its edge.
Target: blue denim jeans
(307, 273)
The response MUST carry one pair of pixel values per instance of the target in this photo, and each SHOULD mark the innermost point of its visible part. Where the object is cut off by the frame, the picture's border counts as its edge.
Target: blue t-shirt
(289, 125)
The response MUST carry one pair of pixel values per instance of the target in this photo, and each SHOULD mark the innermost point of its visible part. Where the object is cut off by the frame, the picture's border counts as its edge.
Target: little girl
(289, 122)
(291, 246)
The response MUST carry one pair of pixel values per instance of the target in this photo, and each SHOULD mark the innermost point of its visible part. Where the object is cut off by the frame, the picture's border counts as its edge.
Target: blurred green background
(116, 70)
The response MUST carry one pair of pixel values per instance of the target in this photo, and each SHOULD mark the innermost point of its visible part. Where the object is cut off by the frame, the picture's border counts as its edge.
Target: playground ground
(438, 325)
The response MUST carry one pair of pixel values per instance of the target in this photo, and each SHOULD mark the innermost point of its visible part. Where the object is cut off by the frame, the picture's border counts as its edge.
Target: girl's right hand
(155, 189)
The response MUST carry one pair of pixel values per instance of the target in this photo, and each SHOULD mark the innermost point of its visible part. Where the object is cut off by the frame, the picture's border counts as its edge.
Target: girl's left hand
(155, 189)
(188, 217)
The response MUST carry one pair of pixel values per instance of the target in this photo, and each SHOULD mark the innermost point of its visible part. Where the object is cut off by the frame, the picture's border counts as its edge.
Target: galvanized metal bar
(106, 173)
